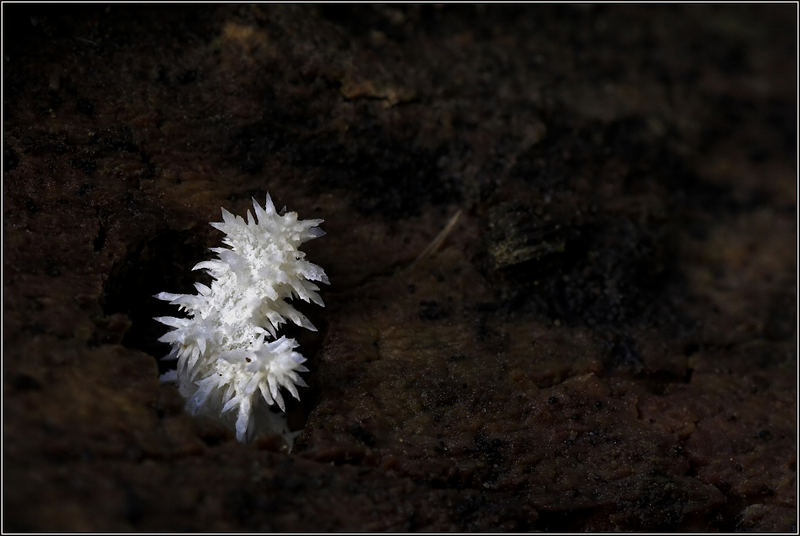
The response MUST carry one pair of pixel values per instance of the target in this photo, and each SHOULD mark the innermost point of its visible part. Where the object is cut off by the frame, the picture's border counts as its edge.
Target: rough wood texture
(604, 340)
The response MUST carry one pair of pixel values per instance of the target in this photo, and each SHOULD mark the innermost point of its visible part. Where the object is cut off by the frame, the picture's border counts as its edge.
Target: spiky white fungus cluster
(228, 351)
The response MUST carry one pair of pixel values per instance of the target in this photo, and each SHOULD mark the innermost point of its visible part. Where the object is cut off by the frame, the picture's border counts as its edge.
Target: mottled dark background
(604, 340)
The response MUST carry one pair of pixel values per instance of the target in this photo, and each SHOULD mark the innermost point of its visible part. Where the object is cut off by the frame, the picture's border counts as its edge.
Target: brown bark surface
(605, 339)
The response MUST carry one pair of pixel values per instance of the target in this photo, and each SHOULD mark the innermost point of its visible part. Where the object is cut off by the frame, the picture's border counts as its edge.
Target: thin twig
(440, 238)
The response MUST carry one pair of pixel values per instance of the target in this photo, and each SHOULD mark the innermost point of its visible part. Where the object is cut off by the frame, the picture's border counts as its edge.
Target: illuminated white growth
(228, 351)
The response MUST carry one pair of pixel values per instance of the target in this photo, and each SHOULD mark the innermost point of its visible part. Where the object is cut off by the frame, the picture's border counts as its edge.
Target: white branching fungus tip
(228, 350)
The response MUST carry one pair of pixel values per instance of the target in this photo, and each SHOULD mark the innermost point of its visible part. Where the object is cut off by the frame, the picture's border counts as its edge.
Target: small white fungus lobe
(228, 350)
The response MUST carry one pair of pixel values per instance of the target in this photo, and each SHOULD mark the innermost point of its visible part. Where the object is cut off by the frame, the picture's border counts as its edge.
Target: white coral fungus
(228, 351)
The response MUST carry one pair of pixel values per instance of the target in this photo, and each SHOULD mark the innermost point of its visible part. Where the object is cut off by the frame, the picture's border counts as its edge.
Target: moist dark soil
(602, 338)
